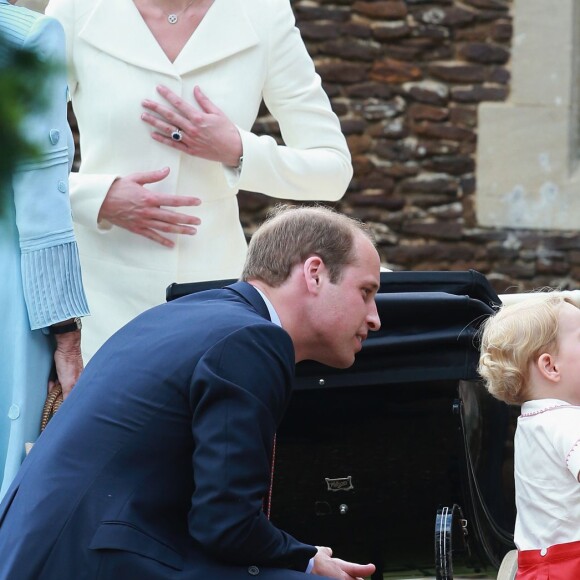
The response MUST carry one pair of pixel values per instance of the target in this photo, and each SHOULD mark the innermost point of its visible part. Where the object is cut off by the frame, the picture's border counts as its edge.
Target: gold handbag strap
(51, 405)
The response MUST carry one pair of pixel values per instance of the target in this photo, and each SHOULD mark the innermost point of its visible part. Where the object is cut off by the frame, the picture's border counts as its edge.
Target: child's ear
(548, 367)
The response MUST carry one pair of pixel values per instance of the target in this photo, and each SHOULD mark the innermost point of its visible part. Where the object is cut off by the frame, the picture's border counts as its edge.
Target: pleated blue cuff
(53, 286)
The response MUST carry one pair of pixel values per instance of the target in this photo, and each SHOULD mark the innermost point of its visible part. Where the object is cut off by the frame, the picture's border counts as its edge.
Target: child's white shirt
(547, 463)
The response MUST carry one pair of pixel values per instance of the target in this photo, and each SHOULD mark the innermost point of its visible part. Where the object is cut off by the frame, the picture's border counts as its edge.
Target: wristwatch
(64, 328)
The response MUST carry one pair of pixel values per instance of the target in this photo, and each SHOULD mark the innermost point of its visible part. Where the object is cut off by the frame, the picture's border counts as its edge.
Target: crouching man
(158, 465)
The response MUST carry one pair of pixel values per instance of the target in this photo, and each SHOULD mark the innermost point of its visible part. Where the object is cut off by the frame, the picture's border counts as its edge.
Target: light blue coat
(40, 272)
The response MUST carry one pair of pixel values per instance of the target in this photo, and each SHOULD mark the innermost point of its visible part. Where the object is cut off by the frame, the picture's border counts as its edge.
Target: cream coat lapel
(116, 28)
(226, 30)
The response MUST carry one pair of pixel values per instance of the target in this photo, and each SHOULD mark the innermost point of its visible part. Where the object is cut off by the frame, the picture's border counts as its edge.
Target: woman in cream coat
(152, 211)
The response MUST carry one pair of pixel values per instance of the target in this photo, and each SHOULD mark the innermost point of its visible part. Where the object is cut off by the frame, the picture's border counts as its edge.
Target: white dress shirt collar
(273, 314)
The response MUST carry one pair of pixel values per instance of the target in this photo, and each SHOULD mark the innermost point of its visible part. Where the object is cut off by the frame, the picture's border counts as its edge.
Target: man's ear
(313, 270)
(548, 367)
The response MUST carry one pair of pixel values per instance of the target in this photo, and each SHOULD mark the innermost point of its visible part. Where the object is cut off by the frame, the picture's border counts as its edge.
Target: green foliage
(22, 77)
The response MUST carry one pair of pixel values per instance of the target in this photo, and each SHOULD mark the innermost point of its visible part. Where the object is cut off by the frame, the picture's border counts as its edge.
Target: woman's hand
(205, 132)
(128, 204)
(68, 361)
(326, 565)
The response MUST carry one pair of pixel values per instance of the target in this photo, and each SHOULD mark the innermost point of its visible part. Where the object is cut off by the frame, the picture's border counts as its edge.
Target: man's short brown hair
(291, 235)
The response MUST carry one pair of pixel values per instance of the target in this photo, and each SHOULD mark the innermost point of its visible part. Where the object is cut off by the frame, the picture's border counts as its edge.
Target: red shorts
(560, 562)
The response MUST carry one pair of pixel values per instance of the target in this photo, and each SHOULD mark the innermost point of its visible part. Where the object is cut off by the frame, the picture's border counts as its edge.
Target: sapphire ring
(177, 135)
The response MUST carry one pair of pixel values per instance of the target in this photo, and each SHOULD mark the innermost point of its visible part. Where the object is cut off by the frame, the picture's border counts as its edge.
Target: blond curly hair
(514, 337)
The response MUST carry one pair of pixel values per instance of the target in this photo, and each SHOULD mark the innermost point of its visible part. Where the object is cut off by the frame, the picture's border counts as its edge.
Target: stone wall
(406, 78)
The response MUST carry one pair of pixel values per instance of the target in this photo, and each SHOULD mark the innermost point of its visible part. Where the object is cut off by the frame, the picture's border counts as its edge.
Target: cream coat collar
(116, 28)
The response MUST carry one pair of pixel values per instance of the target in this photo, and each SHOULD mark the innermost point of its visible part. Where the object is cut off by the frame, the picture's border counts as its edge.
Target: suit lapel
(251, 295)
(116, 28)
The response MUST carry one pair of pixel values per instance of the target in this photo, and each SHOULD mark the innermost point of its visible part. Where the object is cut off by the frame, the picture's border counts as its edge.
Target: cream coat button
(543, 552)
(14, 412)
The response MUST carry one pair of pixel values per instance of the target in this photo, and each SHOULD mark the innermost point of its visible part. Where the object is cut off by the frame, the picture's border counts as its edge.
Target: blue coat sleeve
(51, 272)
(239, 393)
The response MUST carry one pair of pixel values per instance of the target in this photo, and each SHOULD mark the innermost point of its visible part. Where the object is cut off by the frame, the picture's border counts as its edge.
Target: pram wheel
(509, 566)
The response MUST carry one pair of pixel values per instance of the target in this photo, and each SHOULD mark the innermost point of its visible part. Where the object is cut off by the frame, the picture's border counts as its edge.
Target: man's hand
(326, 565)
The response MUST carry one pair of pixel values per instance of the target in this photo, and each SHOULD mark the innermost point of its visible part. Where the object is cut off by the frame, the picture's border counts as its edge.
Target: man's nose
(373, 320)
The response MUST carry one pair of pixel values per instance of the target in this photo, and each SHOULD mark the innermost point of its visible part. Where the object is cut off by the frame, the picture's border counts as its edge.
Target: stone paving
(460, 573)
(487, 575)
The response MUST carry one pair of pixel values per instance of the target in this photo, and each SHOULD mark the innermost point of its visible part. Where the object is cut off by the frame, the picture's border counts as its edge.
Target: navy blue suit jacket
(157, 464)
